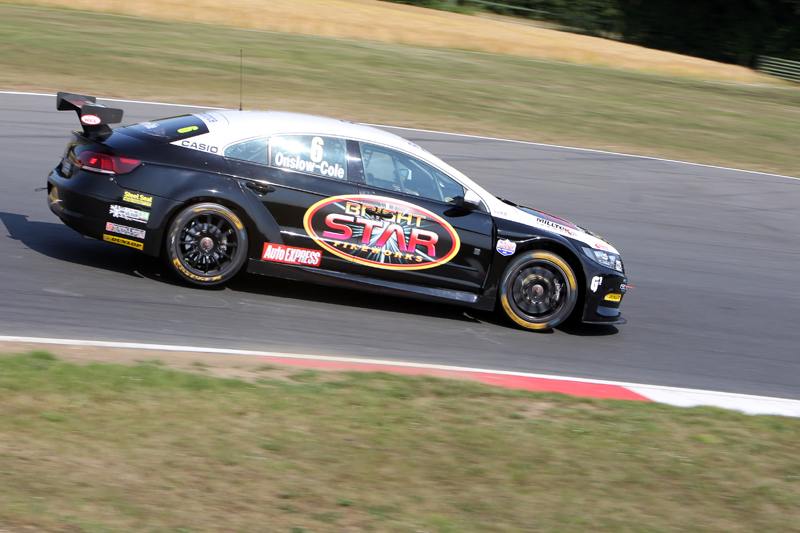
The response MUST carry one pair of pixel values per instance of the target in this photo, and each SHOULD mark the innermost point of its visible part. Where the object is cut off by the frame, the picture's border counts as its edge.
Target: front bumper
(605, 289)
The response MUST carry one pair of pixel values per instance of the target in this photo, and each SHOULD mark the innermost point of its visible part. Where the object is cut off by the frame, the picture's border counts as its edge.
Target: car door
(406, 224)
(289, 174)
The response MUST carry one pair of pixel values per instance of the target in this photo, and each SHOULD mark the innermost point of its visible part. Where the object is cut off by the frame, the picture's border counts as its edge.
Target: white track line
(462, 135)
(669, 395)
(754, 405)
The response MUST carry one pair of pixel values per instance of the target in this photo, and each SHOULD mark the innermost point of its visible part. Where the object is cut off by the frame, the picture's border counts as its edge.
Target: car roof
(229, 126)
(249, 124)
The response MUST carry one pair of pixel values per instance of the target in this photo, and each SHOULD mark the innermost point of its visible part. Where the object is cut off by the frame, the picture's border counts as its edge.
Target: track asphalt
(712, 252)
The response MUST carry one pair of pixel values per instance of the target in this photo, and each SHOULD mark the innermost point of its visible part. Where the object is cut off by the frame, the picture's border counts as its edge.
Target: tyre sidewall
(172, 242)
(566, 308)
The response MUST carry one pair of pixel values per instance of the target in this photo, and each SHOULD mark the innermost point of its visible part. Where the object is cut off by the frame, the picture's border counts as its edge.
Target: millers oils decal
(381, 232)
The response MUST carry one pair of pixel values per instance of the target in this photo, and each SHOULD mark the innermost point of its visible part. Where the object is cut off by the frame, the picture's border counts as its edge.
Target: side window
(322, 156)
(256, 150)
(396, 171)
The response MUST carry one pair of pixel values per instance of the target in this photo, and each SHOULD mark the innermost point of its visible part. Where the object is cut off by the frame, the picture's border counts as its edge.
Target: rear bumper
(94, 206)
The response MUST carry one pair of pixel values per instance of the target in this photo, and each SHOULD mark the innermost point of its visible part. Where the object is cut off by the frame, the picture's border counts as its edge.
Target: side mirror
(471, 200)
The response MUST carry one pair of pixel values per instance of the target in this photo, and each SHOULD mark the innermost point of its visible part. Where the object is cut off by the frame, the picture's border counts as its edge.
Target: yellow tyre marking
(234, 218)
(570, 278)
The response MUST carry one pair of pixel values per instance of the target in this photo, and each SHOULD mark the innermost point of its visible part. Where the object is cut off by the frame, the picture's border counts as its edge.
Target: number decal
(316, 149)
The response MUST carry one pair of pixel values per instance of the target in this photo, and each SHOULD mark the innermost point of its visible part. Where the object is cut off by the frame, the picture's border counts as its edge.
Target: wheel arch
(242, 212)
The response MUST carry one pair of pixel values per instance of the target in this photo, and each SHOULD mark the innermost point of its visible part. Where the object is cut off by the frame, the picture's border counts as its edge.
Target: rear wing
(94, 117)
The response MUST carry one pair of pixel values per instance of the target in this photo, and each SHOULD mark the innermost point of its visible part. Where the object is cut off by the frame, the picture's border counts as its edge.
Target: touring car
(323, 200)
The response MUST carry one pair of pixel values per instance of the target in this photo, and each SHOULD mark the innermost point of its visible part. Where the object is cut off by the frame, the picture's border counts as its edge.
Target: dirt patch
(221, 365)
(245, 367)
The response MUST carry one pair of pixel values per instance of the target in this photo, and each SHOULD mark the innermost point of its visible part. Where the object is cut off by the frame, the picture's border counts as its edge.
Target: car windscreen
(167, 129)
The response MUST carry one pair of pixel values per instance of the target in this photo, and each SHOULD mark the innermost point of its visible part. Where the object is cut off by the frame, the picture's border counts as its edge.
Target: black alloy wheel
(206, 244)
(538, 290)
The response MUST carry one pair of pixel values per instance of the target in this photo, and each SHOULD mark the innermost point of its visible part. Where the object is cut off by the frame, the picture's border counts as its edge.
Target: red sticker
(91, 120)
(381, 232)
(281, 253)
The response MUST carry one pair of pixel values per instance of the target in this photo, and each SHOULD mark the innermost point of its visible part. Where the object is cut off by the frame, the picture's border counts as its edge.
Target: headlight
(607, 259)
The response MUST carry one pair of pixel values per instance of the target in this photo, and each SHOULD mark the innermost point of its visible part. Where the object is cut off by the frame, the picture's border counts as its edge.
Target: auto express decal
(381, 232)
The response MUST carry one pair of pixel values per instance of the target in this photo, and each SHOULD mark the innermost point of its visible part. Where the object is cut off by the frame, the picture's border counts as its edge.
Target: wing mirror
(471, 200)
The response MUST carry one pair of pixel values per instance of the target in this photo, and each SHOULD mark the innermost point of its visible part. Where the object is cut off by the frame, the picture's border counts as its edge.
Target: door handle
(375, 213)
(260, 188)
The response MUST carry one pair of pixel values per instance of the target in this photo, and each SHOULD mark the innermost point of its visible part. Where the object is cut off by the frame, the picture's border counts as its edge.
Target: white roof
(251, 124)
(230, 126)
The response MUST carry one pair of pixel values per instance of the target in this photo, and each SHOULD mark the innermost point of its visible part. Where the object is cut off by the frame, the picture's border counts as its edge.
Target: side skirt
(350, 281)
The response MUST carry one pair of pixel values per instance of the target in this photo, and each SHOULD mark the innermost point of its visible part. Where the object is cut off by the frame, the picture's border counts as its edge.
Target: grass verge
(388, 22)
(734, 125)
(103, 447)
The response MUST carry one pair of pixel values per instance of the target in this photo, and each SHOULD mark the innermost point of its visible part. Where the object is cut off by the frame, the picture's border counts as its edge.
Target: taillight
(106, 163)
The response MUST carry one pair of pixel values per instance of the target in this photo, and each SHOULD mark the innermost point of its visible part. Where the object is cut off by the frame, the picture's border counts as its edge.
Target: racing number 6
(316, 149)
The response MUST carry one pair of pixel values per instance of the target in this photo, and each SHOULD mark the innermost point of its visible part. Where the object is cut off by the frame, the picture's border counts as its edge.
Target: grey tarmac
(713, 254)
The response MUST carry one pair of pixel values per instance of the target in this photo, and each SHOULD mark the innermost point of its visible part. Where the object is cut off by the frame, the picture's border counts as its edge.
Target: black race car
(317, 199)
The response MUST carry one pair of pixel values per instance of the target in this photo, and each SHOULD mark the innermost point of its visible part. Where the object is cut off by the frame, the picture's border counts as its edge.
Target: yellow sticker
(613, 297)
(136, 198)
(187, 129)
(123, 242)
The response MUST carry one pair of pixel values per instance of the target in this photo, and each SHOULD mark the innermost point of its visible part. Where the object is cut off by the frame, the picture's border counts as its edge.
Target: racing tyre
(538, 290)
(206, 244)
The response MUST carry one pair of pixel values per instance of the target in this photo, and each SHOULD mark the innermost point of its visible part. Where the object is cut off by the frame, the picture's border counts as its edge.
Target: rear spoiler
(94, 117)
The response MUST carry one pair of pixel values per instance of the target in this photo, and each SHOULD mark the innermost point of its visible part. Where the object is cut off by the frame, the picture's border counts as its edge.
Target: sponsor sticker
(298, 163)
(280, 253)
(91, 120)
(613, 297)
(506, 247)
(198, 146)
(137, 198)
(129, 213)
(207, 117)
(555, 226)
(381, 232)
(123, 242)
(125, 230)
(596, 282)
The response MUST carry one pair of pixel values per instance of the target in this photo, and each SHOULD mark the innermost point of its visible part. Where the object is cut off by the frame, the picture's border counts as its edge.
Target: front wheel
(538, 290)
(206, 244)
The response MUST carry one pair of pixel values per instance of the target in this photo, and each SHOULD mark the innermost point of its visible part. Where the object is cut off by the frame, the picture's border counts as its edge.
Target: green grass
(734, 125)
(101, 447)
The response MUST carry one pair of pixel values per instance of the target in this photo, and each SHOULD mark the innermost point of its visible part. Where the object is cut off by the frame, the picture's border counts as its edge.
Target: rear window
(312, 154)
(167, 129)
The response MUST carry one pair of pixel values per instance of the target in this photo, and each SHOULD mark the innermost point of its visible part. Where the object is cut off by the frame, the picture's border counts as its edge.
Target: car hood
(544, 221)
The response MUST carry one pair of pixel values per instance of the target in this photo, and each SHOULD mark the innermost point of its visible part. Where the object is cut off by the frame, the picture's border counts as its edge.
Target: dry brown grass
(373, 20)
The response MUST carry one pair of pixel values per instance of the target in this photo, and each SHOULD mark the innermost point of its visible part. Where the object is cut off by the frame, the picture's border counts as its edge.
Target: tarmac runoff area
(123, 352)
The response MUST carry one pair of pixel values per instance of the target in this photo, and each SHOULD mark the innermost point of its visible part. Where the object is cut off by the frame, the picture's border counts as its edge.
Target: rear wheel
(206, 244)
(538, 290)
